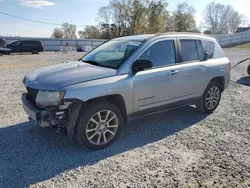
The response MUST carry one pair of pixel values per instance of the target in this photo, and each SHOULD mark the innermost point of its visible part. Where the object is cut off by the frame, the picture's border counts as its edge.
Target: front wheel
(210, 98)
(248, 69)
(98, 125)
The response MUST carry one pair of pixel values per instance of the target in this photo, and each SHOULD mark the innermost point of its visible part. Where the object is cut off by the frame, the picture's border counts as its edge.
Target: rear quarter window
(208, 46)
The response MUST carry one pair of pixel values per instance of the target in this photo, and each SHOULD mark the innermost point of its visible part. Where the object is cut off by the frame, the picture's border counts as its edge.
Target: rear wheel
(98, 125)
(210, 98)
(248, 69)
(34, 51)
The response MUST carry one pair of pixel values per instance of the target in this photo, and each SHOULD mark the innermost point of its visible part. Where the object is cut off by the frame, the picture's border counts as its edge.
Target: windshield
(112, 53)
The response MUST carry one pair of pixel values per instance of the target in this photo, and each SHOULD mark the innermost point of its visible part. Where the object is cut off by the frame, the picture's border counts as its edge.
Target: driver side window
(18, 43)
(161, 53)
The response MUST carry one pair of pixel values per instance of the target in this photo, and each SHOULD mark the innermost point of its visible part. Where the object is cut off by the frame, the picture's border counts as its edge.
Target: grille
(32, 93)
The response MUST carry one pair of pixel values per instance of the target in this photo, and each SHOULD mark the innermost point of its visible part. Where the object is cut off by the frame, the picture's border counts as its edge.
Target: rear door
(26, 46)
(192, 70)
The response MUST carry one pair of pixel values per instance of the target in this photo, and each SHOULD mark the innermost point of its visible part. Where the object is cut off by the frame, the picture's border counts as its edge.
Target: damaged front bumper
(48, 116)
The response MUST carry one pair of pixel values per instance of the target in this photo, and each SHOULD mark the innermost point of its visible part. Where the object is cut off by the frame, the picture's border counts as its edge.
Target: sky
(79, 12)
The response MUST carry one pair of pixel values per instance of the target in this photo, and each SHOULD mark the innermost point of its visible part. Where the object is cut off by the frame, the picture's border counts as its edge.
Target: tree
(183, 18)
(69, 30)
(158, 16)
(219, 18)
(57, 33)
(66, 31)
(90, 32)
(105, 14)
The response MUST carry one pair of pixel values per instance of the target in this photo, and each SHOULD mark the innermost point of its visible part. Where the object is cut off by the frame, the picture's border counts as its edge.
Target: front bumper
(44, 117)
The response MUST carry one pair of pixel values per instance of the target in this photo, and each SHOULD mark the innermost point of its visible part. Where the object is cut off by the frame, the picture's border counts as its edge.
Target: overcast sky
(79, 12)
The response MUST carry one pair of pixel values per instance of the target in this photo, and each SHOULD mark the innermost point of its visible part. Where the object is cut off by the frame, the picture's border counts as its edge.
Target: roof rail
(176, 33)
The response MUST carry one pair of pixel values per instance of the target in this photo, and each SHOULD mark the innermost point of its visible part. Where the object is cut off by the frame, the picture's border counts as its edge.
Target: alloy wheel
(102, 127)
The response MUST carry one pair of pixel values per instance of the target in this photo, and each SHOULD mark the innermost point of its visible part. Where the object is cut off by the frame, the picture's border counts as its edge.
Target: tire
(34, 52)
(88, 119)
(248, 69)
(204, 104)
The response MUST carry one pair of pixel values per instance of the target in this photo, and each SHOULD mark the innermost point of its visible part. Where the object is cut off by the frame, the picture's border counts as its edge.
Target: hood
(58, 76)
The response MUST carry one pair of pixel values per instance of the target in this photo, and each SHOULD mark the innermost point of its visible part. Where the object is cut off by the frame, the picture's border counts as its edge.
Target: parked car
(124, 78)
(2, 42)
(33, 46)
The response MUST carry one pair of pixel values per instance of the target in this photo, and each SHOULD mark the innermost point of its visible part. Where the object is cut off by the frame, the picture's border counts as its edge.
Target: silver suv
(93, 97)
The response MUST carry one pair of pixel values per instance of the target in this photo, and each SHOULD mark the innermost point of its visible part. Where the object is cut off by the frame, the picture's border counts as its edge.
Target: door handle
(173, 72)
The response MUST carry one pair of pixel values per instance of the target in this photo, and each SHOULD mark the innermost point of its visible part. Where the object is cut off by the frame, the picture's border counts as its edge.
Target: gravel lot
(181, 148)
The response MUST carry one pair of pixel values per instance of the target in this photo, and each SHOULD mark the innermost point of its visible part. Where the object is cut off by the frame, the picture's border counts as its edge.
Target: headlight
(49, 98)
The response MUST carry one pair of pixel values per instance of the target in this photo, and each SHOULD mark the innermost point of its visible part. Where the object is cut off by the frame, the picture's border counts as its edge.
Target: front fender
(120, 84)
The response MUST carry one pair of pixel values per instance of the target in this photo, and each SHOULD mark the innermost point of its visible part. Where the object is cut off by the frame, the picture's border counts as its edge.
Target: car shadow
(244, 81)
(31, 154)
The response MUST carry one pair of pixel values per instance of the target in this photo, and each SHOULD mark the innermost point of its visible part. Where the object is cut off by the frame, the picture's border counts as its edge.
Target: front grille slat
(32, 93)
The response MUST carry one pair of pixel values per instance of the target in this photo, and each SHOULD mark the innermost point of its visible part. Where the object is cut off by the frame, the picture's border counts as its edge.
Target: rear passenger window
(208, 47)
(189, 50)
(161, 53)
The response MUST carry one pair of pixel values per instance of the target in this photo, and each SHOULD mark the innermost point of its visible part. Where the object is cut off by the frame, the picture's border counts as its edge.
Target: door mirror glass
(141, 64)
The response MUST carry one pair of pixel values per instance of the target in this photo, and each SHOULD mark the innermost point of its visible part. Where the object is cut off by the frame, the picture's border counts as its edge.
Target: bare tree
(219, 18)
(57, 33)
(90, 32)
(104, 14)
(69, 30)
(183, 18)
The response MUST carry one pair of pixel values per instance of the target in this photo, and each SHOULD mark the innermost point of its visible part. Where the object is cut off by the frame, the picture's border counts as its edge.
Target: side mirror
(141, 64)
(207, 56)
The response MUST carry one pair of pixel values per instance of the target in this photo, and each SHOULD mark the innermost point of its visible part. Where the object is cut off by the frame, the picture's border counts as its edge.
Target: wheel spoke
(91, 130)
(104, 137)
(99, 116)
(107, 116)
(90, 138)
(209, 92)
(112, 126)
(93, 120)
(111, 132)
(111, 119)
(215, 101)
(210, 105)
(99, 138)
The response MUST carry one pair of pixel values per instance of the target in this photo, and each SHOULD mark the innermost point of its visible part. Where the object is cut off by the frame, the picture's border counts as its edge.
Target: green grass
(245, 46)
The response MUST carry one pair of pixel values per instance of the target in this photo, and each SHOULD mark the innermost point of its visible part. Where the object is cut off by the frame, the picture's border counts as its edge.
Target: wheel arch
(220, 80)
(115, 99)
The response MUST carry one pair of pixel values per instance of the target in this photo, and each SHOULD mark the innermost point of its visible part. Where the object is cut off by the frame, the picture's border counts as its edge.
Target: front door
(16, 46)
(156, 87)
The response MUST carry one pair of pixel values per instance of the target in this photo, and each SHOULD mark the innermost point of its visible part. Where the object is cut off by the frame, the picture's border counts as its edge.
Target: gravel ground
(181, 148)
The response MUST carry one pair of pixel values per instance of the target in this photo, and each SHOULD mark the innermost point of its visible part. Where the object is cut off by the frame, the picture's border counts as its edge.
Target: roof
(242, 29)
(148, 36)
(136, 37)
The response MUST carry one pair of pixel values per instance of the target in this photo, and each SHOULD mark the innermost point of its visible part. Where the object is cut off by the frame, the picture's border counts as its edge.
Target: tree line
(130, 17)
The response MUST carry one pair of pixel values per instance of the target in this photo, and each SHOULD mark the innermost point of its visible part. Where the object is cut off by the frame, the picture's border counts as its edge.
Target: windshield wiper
(97, 64)
(91, 62)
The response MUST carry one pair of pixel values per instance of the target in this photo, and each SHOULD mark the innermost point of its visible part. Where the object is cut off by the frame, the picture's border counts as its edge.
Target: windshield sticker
(133, 43)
